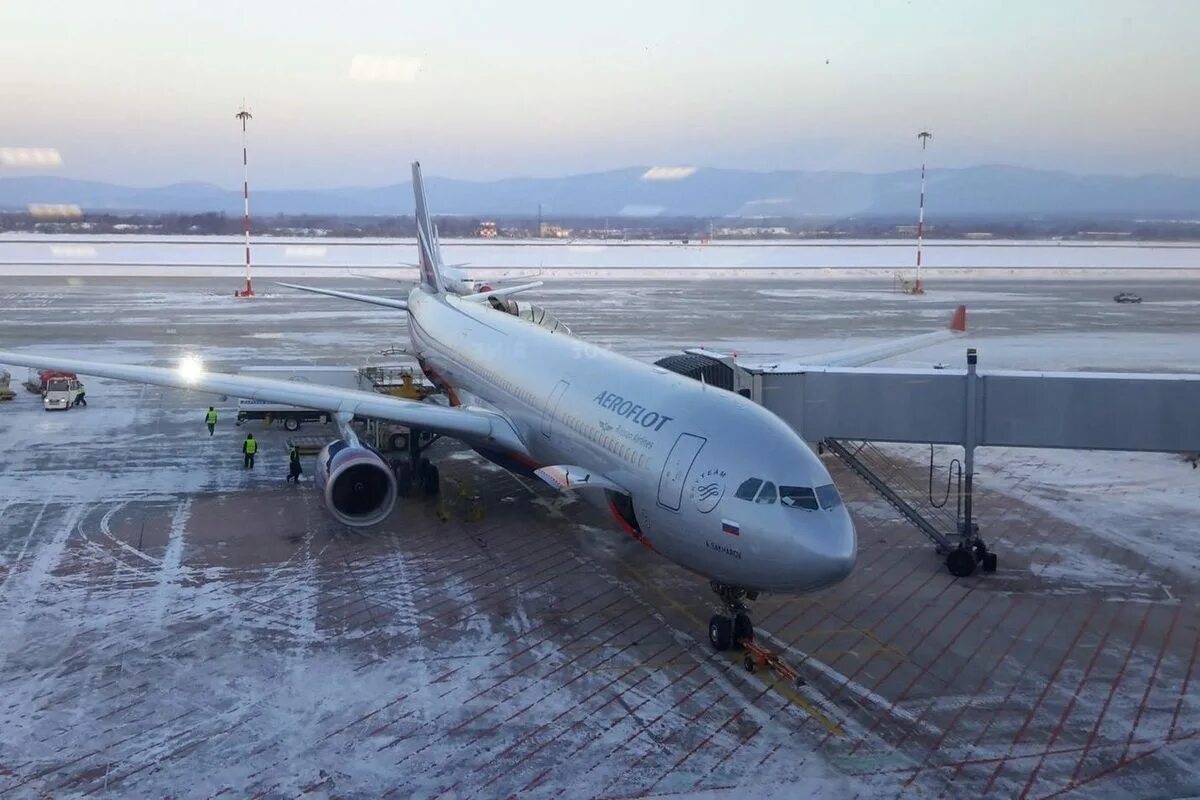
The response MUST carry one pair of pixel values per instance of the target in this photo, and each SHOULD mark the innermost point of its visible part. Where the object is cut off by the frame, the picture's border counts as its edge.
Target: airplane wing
(362, 298)
(861, 356)
(504, 291)
(473, 425)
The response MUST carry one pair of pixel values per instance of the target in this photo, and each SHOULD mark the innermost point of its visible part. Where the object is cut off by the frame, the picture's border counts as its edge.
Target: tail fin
(427, 243)
(958, 322)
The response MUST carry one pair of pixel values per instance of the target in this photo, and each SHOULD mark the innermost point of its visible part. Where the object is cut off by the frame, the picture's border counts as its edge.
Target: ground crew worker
(210, 419)
(294, 470)
(249, 448)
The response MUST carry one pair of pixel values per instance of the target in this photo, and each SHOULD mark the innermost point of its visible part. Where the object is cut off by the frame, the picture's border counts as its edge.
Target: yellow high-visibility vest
(211, 418)
(251, 446)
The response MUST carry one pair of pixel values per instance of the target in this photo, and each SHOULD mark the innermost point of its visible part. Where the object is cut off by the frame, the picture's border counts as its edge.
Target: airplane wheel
(960, 562)
(291, 424)
(404, 479)
(720, 632)
(431, 480)
(742, 629)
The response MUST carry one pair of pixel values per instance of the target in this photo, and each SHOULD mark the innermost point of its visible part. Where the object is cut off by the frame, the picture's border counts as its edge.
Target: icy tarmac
(175, 625)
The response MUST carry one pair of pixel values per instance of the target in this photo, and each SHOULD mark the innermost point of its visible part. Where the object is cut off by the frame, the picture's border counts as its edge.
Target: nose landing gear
(732, 628)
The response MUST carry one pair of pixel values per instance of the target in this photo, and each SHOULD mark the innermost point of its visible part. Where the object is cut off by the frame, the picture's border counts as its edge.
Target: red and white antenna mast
(244, 115)
(918, 287)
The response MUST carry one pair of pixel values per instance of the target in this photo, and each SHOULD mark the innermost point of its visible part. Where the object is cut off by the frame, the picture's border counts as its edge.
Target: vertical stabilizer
(427, 244)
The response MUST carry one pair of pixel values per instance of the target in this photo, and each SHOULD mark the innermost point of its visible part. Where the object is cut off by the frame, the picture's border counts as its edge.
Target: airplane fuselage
(685, 453)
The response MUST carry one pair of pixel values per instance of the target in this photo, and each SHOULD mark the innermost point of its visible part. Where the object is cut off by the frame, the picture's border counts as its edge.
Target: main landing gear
(416, 471)
(730, 629)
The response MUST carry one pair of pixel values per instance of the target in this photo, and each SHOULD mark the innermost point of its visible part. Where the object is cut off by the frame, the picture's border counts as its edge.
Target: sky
(346, 94)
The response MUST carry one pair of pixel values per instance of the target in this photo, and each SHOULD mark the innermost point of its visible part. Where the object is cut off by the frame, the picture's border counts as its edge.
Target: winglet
(427, 242)
(958, 322)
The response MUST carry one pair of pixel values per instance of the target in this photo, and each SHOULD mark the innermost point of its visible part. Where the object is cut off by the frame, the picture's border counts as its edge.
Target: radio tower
(918, 287)
(244, 115)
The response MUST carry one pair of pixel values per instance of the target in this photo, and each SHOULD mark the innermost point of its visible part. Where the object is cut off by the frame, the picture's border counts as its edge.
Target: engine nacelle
(358, 487)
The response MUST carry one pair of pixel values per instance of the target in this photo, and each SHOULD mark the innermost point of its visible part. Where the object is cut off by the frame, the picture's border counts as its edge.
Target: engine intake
(358, 487)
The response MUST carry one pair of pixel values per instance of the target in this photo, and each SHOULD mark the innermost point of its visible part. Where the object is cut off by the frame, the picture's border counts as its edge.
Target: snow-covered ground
(23, 254)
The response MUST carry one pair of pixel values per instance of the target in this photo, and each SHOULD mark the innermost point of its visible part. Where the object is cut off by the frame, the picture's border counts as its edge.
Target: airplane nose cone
(832, 549)
(843, 552)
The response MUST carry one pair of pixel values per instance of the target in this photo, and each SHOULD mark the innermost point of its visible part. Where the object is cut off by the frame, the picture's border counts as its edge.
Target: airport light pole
(245, 115)
(918, 287)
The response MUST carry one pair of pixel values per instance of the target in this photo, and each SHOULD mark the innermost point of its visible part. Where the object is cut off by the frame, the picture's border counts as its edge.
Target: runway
(174, 624)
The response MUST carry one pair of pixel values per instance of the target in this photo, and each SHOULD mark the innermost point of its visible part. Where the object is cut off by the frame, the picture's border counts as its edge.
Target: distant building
(487, 229)
(549, 231)
(979, 235)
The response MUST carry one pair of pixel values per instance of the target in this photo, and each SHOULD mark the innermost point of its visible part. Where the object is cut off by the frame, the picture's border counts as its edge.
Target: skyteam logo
(708, 488)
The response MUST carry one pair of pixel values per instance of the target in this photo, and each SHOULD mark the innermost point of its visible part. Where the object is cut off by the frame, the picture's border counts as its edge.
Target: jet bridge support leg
(973, 546)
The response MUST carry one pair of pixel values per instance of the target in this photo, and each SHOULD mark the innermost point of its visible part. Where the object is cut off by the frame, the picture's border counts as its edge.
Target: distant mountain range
(988, 191)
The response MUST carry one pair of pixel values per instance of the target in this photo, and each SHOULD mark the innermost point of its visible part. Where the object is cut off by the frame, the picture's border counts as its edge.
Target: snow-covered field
(172, 621)
(23, 254)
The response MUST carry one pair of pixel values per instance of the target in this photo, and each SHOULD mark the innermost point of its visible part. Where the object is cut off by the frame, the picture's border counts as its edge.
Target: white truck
(62, 392)
(293, 417)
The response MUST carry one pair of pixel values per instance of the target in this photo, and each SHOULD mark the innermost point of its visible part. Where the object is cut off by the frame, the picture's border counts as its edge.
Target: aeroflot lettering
(632, 411)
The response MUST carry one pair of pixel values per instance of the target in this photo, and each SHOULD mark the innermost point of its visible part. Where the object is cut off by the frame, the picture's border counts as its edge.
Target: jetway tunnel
(848, 411)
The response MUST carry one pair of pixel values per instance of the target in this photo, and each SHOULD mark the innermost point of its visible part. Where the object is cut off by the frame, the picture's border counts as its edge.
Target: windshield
(58, 385)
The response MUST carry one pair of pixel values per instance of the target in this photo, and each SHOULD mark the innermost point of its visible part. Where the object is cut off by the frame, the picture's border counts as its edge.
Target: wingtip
(958, 322)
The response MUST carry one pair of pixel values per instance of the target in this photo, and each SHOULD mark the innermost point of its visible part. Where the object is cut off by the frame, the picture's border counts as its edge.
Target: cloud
(30, 157)
(668, 173)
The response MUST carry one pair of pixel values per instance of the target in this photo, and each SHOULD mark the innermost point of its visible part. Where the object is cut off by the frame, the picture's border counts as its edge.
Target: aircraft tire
(961, 563)
(291, 424)
(431, 480)
(404, 479)
(720, 632)
(743, 628)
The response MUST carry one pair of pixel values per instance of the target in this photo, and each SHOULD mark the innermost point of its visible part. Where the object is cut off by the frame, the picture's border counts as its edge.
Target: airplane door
(551, 411)
(675, 471)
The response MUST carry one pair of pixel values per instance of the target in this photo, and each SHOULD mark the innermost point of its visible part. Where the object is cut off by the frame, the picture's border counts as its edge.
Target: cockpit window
(828, 495)
(748, 489)
(798, 497)
(766, 494)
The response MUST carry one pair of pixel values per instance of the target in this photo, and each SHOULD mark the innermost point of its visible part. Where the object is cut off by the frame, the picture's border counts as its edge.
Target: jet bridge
(844, 409)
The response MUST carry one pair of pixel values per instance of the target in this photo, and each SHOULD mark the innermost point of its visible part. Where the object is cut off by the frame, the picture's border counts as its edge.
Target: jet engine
(358, 487)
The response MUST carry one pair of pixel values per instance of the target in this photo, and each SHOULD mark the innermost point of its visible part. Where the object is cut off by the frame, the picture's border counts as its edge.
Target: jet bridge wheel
(960, 562)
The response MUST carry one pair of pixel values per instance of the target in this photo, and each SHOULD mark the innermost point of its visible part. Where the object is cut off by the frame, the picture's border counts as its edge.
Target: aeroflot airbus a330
(703, 476)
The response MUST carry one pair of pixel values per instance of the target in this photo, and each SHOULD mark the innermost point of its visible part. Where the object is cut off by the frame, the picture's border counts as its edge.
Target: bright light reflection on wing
(191, 368)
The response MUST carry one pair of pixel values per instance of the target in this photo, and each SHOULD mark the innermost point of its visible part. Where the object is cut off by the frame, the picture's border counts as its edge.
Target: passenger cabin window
(798, 497)
(828, 495)
(766, 494)
(748, 489)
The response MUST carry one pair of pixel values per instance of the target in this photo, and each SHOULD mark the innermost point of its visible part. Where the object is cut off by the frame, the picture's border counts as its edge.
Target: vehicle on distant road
(1127, 297)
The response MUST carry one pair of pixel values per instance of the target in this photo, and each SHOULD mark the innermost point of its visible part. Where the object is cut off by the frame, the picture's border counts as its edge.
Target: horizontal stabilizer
(567, 478)
(869, 354)
(505, 291)
(361, 298)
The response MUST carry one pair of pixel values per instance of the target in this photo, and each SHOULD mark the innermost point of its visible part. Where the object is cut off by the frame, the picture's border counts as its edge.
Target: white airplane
(702, 476)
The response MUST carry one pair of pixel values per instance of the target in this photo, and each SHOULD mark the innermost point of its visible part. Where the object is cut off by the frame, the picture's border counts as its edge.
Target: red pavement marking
(1112, 690)
(492, 687)
(717, 765)
(1045, 693)
(1187, 679)
(633, 765)
(985, 677)
(1050, 631)
(1153, 677)
(871, 604)
(930, 662)
(517, 764)
(770, 753)
(646, 726)
(912, 648)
